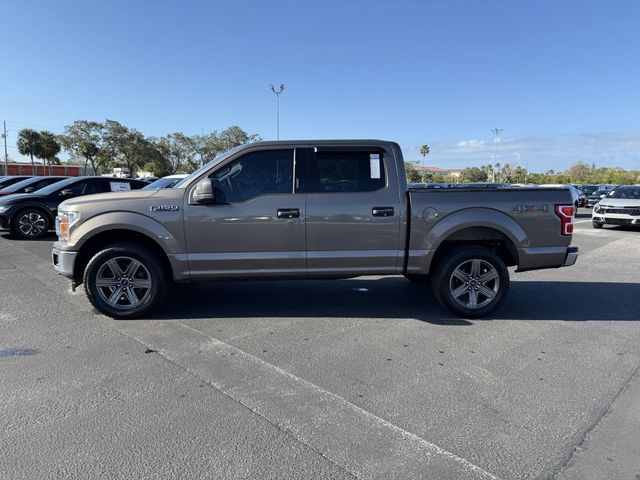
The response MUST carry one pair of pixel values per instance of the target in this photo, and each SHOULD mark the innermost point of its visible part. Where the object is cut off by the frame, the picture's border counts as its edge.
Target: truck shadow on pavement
(395, 298)
(49, 237)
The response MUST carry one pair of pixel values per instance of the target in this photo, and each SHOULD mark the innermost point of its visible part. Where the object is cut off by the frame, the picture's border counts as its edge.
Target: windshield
(166, 182)
(55, 186)
(29, 181)
(632, 193)
(206, 166)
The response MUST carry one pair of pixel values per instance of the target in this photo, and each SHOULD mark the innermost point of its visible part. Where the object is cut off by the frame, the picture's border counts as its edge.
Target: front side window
(344, 172)
(254, 174)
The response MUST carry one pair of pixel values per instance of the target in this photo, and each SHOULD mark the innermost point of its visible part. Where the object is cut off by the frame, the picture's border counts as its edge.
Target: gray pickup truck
(310, 209)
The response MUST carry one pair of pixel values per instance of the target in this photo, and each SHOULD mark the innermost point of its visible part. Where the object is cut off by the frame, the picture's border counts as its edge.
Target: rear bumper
(572, 256)
(538, 258)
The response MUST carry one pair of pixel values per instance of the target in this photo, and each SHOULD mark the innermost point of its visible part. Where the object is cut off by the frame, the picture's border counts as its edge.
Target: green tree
(413, 176)
(424, 151)
(473, 174)
(83, 140)
(29, 144)
(579, 172)
(49, 148)
(127, 147)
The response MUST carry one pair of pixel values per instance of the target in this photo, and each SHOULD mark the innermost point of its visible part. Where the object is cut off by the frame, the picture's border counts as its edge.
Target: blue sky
(562, 78)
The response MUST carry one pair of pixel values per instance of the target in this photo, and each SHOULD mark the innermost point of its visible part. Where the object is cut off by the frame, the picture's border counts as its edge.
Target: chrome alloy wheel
(123, 282)
(474, 283)
(31, 224)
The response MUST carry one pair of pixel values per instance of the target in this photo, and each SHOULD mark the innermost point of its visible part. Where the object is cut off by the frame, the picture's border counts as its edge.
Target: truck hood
(620, 202)
(107, 198)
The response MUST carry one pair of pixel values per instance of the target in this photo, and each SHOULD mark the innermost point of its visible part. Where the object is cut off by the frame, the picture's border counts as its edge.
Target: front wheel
(596, 224)
(471, 282)
(125, 281)
(30, 224)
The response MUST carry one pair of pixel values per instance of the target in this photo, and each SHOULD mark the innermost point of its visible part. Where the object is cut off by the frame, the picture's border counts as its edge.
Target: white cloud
(539, 153)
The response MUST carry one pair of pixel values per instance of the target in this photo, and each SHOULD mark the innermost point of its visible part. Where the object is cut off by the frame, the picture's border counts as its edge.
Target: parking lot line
(322, 420)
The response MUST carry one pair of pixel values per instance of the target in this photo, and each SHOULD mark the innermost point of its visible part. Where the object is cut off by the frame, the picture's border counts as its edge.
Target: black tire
(113, 282)
(448, 275)
(417, 279)
(596, 224)
(30, 224)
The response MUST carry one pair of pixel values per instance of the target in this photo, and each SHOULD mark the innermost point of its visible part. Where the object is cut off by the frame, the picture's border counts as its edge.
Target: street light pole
(6, 156)
(277, 93)
(496, 132)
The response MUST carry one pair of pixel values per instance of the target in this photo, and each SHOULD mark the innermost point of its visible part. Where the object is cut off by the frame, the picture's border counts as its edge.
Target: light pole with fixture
(277, 93)
(496, 132)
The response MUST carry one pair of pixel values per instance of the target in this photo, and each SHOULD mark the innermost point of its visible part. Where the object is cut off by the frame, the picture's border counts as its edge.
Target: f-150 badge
(530, 208)
(164, 208)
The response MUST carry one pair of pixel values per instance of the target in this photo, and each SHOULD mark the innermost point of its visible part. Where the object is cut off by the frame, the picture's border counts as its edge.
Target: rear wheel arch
(486, 237)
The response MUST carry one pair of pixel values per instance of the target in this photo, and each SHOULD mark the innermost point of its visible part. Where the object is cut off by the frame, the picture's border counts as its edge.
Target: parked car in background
(30, 185)
(620, 207)
(11, 179)
(166, 182)
(32, 215)
(587, 189)
(596, 196)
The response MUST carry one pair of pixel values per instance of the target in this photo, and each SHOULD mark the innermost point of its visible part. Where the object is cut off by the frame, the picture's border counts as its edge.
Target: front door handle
(288, 213)
(382, 211)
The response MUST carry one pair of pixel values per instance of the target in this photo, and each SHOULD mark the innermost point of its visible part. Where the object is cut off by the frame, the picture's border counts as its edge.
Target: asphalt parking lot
(361, 378)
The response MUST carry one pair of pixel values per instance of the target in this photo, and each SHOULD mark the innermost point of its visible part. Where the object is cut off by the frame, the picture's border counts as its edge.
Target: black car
(596, 196)
(11, 179)
(31, 216)
(30, 185)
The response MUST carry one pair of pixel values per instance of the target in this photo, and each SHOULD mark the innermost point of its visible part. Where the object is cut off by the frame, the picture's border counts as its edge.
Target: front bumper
(4, 221)
(615, 219)
(63, 262)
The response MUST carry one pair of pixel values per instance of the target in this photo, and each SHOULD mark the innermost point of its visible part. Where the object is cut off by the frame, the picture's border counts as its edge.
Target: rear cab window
(339, 171)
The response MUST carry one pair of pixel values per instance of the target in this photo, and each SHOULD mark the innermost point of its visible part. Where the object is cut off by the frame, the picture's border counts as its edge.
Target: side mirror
(203, 193)
(67, 192)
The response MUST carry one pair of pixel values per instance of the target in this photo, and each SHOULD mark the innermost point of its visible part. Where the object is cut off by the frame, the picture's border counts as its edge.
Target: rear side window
(335, 171)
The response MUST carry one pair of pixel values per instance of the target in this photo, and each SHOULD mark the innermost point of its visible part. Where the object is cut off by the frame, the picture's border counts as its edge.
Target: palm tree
(29, 144)
(424, 151)
(49, 148)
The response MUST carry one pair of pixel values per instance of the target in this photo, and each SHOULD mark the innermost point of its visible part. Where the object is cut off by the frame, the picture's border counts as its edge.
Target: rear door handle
(288, 213)
(382, 211)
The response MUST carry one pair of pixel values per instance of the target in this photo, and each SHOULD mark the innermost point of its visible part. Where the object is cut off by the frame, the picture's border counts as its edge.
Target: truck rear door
(353, 210)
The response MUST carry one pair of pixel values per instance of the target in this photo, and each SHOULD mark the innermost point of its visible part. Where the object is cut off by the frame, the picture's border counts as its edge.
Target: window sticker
(120, 186)
(374, 162)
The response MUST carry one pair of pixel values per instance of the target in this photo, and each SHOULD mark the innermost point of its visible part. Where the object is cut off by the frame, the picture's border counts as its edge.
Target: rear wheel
(471, 282)
(125, 281)
(30, 224)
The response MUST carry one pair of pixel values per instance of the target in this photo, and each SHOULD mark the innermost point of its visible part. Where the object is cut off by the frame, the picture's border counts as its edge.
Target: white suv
(620, 207)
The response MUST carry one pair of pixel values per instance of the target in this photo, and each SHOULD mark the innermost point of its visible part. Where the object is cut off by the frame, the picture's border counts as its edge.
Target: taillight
(565, 212)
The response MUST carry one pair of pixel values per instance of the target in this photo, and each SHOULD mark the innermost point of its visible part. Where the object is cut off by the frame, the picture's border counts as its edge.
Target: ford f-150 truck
(310, 209)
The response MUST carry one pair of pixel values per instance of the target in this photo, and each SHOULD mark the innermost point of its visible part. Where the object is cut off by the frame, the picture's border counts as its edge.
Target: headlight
(4, 208)
(596, 208)
(64, 222)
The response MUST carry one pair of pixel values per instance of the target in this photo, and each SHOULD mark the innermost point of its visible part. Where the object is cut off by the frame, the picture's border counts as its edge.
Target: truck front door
(256, 227)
